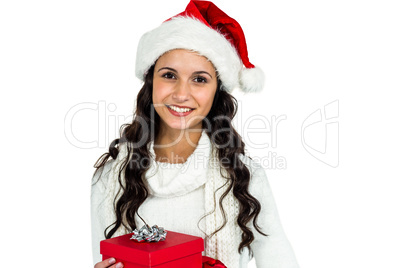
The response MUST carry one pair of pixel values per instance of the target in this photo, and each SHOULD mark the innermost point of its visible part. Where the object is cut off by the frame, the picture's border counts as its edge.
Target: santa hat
(206, 29)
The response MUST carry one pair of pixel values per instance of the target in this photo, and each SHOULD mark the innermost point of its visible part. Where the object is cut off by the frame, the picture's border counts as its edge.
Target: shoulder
(254, 167)
(101, 176)
(259, 184)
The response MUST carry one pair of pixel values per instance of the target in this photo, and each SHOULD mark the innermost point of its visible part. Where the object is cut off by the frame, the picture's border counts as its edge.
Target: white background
(55, 55)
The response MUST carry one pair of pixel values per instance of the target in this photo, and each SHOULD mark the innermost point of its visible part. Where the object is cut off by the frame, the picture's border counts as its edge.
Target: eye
(168, 75)
(200, 79)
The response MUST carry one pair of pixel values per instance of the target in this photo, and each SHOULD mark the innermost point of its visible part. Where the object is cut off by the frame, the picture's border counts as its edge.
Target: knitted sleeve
(98, 194)
(274, 250)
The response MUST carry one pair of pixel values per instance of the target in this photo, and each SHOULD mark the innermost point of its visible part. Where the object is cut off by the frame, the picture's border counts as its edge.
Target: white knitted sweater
(177, 202)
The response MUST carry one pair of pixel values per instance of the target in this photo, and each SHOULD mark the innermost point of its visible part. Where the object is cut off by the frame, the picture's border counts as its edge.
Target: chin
(185, 126)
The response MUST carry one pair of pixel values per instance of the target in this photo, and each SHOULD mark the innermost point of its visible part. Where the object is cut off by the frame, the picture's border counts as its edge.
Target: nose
(181, 91)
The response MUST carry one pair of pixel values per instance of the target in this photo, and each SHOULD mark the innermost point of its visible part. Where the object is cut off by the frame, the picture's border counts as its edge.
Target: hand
(109, 263)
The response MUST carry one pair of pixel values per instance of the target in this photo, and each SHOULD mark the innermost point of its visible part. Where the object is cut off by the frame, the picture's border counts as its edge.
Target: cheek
(205, 99)
(159, 91)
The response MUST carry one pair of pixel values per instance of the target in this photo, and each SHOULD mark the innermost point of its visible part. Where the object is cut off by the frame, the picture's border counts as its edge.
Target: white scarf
(224, 244)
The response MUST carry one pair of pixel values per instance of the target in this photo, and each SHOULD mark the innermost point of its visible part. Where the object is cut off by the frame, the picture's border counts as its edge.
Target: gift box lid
(176, 245)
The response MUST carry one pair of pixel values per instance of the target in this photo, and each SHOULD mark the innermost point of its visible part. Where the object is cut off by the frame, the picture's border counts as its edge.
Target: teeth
(180, 110)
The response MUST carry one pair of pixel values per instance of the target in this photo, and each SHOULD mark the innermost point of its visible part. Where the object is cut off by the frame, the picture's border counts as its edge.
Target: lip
(180, 106)
(178, 113)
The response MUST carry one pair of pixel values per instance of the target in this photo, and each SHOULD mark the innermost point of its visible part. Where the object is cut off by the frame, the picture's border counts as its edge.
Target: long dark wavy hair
(133, 187)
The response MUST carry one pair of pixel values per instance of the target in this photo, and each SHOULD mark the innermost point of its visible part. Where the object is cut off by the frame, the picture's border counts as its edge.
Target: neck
(176, 145)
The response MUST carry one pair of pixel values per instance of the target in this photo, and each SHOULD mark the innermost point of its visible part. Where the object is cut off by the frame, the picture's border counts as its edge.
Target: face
(182, 80)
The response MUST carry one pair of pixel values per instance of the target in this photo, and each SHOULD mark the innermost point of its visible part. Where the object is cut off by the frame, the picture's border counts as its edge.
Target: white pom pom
(252, 80)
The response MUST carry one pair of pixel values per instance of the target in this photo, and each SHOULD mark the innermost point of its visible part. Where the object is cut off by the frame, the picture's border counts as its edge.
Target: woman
(180, 163)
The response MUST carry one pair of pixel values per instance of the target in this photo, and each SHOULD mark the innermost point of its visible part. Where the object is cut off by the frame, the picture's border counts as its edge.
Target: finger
(117, 265)
(105, 263)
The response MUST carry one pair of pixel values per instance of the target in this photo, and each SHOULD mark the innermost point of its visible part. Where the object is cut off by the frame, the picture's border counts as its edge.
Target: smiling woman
(183, 80)
(184, 86)
(184, 114)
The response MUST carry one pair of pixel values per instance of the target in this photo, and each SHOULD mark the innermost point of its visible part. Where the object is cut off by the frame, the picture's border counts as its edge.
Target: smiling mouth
(179, 110)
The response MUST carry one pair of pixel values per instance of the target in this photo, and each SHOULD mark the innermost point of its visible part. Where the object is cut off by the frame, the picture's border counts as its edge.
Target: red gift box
(178, 250)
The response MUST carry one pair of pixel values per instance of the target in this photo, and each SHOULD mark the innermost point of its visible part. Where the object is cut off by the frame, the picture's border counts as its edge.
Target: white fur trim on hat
(192, 34)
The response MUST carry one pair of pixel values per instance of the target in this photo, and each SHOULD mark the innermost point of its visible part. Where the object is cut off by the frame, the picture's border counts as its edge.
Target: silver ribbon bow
(149, 234)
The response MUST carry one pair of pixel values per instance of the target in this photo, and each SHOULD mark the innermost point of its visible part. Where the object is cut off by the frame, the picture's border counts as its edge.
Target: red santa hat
(207, 30)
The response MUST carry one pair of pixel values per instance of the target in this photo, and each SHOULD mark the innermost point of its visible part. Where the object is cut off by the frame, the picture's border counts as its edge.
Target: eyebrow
(173, 70)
